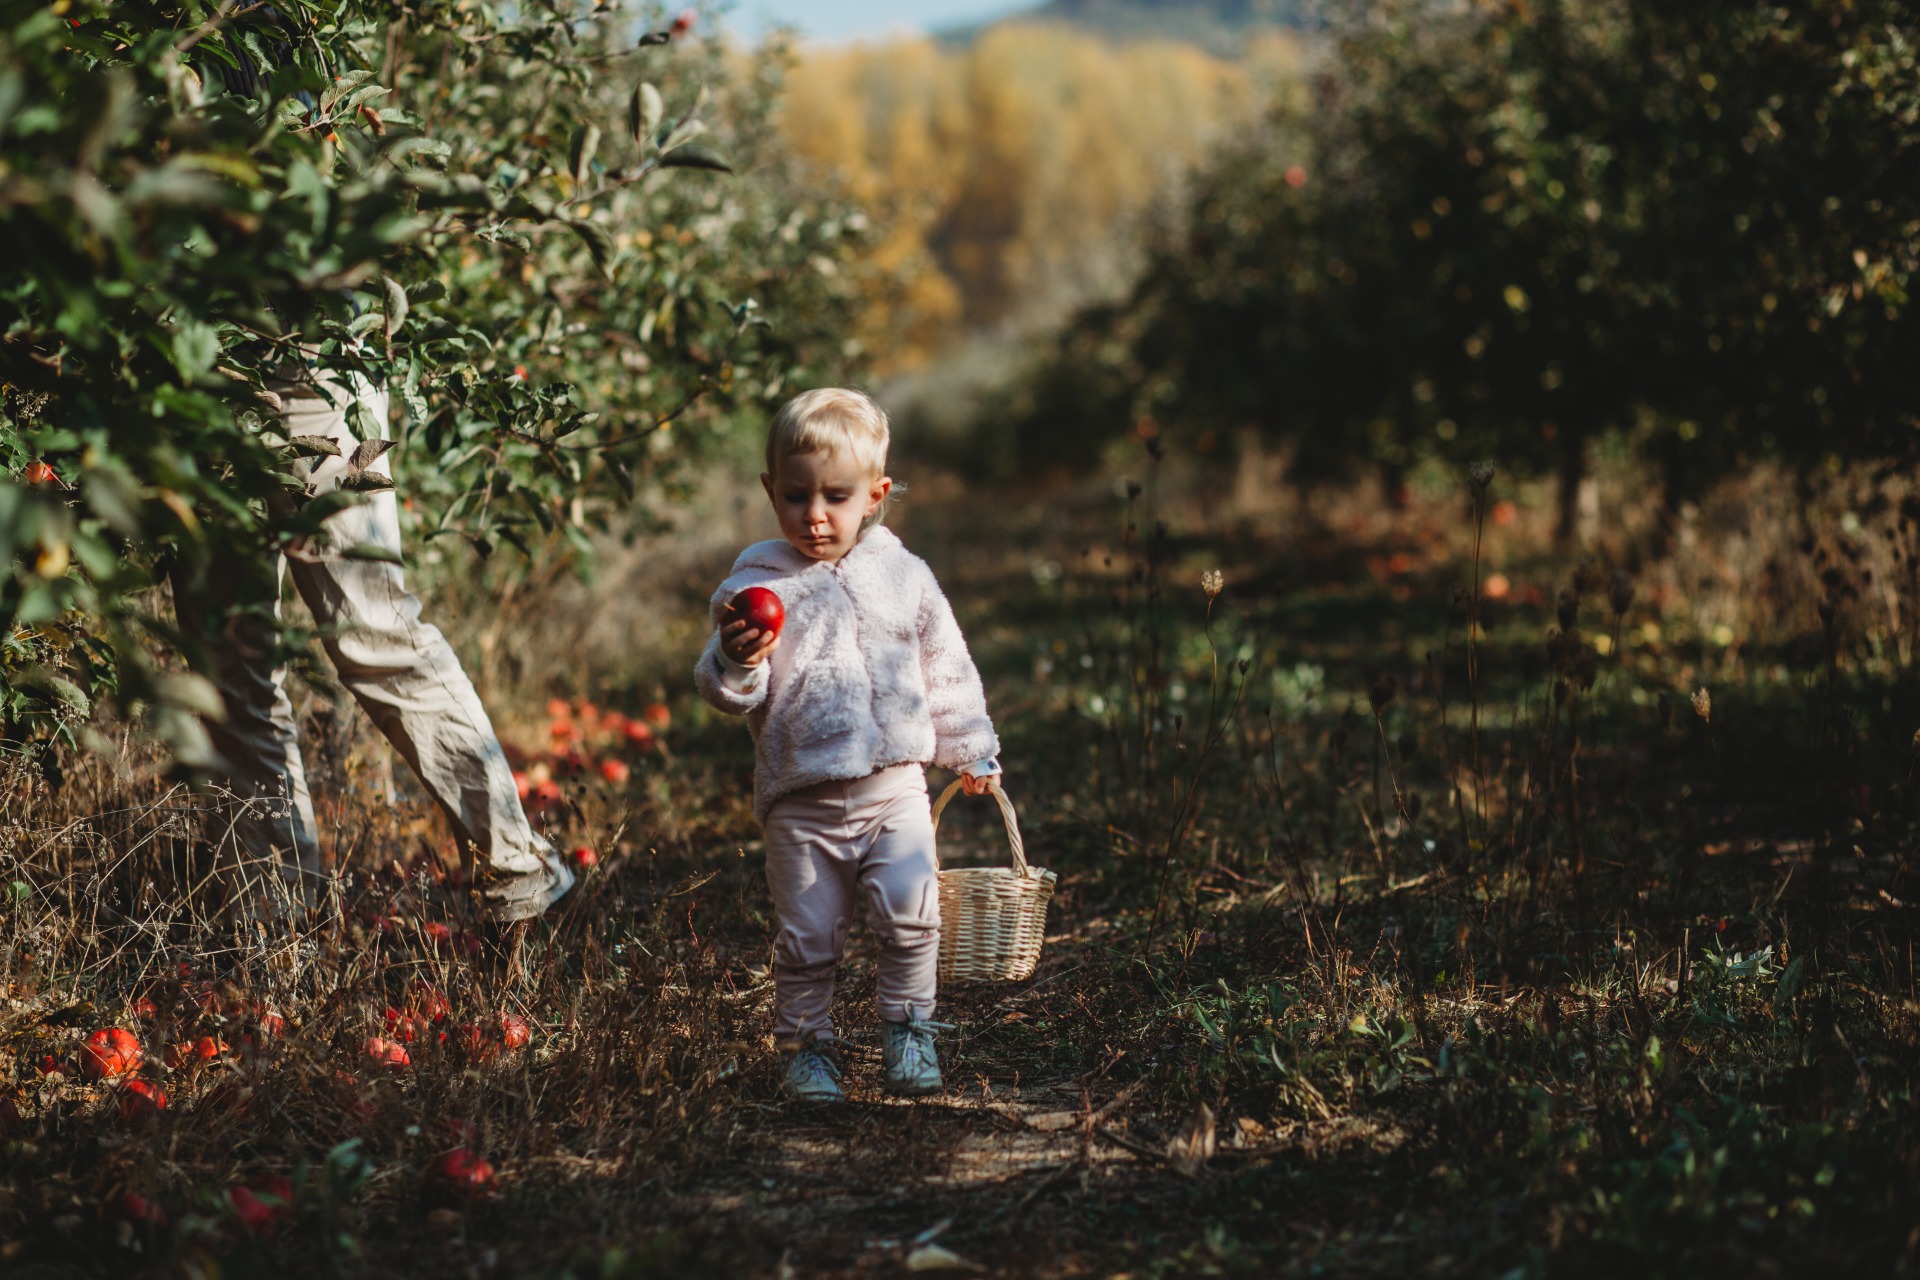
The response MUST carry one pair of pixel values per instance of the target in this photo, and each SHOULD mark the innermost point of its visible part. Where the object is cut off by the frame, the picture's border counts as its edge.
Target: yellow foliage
(1007, 170)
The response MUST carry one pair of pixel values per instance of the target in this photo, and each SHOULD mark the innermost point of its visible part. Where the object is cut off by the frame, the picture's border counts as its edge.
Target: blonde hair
(830, 420)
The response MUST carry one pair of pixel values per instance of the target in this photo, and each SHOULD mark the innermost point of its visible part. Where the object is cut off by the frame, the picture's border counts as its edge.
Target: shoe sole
(908, 1091)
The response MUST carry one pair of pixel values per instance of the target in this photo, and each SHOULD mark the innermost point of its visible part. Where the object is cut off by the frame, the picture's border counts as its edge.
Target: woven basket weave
(992, 919)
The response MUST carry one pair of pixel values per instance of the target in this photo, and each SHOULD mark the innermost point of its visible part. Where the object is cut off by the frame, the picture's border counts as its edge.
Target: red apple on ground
(583, 856)
(514, 1031)
(390, 1054)
(257, 1218)
(109, 1052)
(657, 714)
(139, 1099)
(615, 771)
(38, 473)
(431, 1003)
(760, 608)
(130, 1206)
(463, 1173)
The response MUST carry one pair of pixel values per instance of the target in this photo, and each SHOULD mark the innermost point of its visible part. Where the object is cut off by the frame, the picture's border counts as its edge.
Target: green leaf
(396, 305)
(644, 112)
(599, 244)
(1789, 985)
(195, 347)
(586, 140)
(695, 155)
(189, 692)
(371, 551)
(314, 447)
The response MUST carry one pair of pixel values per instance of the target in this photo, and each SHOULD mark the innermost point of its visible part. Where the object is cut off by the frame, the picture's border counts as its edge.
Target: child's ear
(881, 488)
(766, 482)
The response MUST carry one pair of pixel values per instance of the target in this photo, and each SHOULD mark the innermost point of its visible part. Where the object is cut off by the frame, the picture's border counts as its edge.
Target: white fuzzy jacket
(871, 670)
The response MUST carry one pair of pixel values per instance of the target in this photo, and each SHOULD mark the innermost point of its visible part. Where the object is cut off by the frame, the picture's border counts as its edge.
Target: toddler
(867, 683)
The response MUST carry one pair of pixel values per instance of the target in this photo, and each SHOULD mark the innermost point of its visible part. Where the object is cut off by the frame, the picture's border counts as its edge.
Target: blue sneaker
(813, 1072)
(912, 1065)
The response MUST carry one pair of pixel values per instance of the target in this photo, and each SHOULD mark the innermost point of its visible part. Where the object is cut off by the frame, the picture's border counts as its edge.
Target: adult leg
(810, 870)
(900, 877)
(405, 674)
(270, 818)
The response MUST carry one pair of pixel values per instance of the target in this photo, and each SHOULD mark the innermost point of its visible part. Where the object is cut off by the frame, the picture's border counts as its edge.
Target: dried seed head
(1586, 577)
(1382, 691)
(1703, 705)
(1620, 592)
(1211, 582)
(1569, 610)
(1480, 475)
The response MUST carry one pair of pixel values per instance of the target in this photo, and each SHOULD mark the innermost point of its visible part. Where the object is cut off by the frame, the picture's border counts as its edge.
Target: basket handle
(1006, 813)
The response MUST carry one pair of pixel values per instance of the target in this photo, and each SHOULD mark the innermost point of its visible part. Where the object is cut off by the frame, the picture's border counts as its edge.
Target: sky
(841, 20)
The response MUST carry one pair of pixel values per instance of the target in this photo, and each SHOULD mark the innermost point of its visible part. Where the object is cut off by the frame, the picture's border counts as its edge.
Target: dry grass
(1328, 989)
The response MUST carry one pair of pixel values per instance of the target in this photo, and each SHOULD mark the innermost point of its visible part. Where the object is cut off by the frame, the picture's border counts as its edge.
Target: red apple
(139, 1099)
(584, 856)
(638, 734)
(760, 608)
(657, 714)
(257, 1218)
(130, 1206)
(432, 1005)
(38, 473)
(615, 771)
(109, 1052)
(390, 1054)
(464, 1173)
(514, 1030)
(472, 1043)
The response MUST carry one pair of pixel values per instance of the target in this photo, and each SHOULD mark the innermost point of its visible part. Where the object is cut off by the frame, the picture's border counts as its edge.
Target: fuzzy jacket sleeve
(962, 730)
(725, 684)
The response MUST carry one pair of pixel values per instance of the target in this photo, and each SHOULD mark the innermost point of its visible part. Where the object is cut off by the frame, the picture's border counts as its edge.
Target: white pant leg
(407, 677)
(900, 878)
(272, 819)
(811, 868)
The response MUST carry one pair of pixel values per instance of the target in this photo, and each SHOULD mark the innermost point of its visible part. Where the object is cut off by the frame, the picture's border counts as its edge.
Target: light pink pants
(828, 846)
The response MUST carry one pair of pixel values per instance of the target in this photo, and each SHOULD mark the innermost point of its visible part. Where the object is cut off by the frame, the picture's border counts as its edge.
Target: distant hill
(1219, 26)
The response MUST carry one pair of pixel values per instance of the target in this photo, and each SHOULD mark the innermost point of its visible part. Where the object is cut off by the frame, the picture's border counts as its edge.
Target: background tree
(1504, 231)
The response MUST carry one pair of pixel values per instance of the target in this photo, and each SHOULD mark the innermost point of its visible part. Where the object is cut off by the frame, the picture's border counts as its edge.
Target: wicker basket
(992, 919)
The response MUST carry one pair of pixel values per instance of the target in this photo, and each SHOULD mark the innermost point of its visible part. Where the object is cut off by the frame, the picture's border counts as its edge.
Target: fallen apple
(109, 1052)
(759, 608)
(464, 1173)
(257, 1218)
(638, 733)
(583, 856)
(429, 1001)
(131, 1206)
(139, 1099)
(514, 1031)
(657, 714)
(390, 1054)
(38, 473)
(615, 771)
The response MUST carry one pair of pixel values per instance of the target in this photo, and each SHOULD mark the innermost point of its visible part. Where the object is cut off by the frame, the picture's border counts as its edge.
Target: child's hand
(746, 644)
(978, 785)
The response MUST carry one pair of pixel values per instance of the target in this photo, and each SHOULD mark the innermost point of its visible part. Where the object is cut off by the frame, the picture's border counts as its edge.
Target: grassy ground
(1374, 954)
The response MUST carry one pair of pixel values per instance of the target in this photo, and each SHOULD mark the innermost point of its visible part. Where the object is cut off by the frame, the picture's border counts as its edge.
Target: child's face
(821, 499)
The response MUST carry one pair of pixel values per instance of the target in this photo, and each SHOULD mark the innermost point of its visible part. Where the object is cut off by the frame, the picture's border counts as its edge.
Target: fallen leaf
(933, 1257)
